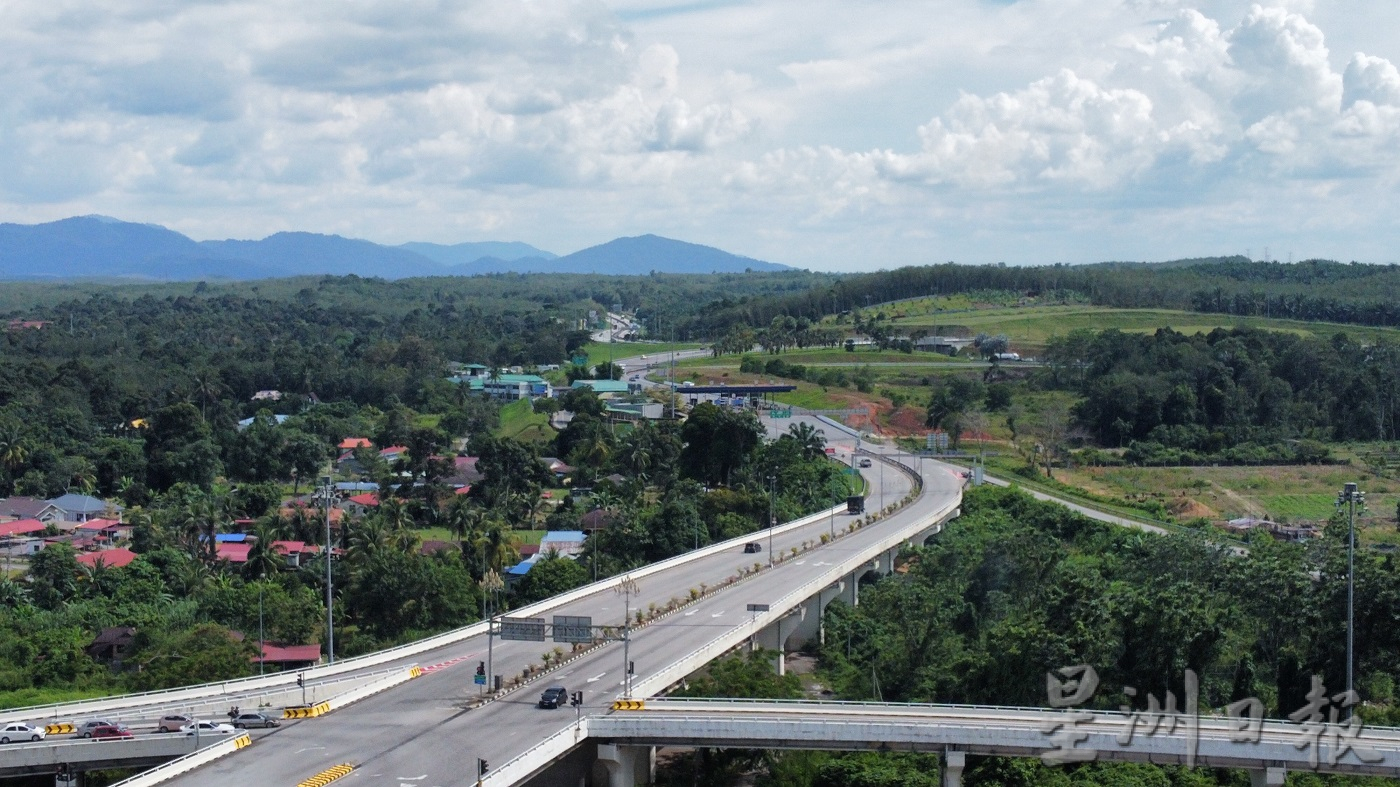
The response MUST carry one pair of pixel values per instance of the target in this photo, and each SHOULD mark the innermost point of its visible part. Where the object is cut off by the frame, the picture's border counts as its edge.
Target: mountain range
(101, 247)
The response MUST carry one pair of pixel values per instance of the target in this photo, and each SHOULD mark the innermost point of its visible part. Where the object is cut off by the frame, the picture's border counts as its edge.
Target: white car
(19, 731)
(208, 728)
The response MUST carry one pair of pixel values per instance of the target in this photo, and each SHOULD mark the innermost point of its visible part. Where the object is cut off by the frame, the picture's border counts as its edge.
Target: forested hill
(1319, 290)
(97, 246)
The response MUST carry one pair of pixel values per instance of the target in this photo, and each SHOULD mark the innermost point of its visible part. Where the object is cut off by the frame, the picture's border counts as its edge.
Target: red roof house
(111, 558)
(351, 443)
(232, 551)
(289, 656)
(21, 527)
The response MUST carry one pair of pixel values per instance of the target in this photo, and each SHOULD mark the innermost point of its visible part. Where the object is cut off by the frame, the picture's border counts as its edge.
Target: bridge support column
(628, 766)
(1267, 777)
(774, 637)
(953, 764)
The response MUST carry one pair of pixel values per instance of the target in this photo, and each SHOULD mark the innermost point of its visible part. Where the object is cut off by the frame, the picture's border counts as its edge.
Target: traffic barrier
(629, 705)
(327, 776)
(163, 773)
(306, 711)
(61, 729)
(415, 671)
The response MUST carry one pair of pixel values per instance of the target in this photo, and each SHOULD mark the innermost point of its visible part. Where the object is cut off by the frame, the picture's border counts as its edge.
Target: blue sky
(822, 134)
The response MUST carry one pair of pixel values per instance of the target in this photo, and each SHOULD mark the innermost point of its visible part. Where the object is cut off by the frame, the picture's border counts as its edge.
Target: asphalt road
(423, 734)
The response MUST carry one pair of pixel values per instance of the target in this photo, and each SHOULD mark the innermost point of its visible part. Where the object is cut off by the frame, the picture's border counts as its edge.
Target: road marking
(309, 748)
(596, 678)
(717, 614)
(800, 563)
(688, 614)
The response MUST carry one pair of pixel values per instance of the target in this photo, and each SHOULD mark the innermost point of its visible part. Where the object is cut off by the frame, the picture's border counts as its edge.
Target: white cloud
(799, 131)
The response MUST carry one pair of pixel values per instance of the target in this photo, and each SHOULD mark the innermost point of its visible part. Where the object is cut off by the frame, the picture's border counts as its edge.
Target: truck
(855, 504)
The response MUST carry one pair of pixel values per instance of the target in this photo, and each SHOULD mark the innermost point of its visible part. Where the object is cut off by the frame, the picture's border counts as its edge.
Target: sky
(823, 134)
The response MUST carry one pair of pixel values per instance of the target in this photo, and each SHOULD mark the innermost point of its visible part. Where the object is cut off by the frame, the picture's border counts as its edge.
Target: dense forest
(1218, 396)
(1016, 588)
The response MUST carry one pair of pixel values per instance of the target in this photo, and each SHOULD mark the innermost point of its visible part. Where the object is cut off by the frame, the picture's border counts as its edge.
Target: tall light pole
(330, 587)
(1351, 497)
(262, 647)
(627, 586)
(491, 583)
(772, 518)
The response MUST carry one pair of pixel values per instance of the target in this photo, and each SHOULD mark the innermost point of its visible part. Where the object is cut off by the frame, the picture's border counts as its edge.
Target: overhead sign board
(524, 629)
(568, 628)
(758, 607)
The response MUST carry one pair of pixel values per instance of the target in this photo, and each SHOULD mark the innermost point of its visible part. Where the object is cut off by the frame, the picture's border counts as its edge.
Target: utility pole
(1350, 496)
(772, 518)
(330, 587)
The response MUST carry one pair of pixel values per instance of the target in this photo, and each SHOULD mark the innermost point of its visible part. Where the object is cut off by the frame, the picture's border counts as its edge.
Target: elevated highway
(956, 732)
(430, 731)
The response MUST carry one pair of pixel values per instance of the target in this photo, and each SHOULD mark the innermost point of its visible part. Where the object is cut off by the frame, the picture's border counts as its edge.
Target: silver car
(85, 729)
(247, 721)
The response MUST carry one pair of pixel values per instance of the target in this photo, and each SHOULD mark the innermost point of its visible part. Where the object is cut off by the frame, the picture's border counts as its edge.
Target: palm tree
(13, 451)
(464, 519)
(263, 560)
(502, 546)
(369, 539)
(811, 439)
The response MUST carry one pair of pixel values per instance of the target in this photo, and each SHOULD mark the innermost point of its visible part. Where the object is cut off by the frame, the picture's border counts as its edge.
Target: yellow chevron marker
(306, 711)
(629, 705)
(327, 776)
(415, 671)
(242, 741)
(64, 728)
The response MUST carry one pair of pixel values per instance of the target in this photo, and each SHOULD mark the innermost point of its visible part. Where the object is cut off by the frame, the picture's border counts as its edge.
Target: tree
(204, 654)
(180, 449)
(549, 577)
(717, 441)
(53, 574)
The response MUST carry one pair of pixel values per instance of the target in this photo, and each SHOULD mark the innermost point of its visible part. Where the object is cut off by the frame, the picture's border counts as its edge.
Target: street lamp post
(627, 586)
(491, 583)
(772, 518)
(1351, 497)
(262, 648)
(330, 587)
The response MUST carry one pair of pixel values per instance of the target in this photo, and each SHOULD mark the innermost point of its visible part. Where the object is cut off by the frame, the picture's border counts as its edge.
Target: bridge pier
(628, 766)
(1267, 777)
(953, 764)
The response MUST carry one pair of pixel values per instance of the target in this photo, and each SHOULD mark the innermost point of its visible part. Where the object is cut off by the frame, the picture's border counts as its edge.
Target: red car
(110, 733)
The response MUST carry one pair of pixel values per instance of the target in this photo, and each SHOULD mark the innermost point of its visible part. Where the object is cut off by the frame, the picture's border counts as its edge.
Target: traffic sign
(568, 628)
(524, 629)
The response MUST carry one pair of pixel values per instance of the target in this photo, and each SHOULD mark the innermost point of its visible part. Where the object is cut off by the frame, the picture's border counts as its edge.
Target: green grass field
(1030, 327)
(521, 422)
(598, 351)
(443, 534)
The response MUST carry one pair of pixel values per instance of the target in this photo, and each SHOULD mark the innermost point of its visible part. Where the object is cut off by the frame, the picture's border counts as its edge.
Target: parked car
(208, 728)
(110, 732)
(752, 546)
(247, 721)
(85, 729)
(19, 731)
(173, 723)
(554, 697)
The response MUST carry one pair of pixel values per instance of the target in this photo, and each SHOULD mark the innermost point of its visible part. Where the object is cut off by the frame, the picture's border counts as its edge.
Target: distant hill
(467, 253)
(635, 257)
(302, 253)
(101, 247)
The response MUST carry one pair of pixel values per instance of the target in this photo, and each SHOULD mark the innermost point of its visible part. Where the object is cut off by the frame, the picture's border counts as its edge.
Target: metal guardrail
(242, 685)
